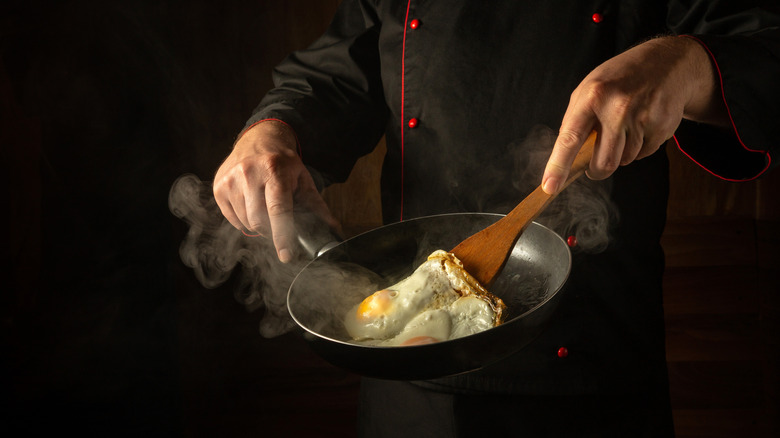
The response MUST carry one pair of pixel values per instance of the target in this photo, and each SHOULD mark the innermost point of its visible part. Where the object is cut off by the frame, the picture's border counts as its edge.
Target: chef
(455, 86)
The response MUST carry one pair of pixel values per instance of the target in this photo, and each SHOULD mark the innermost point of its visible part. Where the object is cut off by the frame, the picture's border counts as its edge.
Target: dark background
(105, 332)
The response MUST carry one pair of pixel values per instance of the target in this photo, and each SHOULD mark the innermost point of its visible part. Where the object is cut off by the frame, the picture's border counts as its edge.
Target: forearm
(706, 104)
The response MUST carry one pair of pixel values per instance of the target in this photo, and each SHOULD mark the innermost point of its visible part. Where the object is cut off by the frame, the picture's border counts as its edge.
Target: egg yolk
(375, 305)
(420, 340)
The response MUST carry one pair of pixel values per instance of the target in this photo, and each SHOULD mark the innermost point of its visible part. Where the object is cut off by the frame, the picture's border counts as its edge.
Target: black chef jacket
(455, 86)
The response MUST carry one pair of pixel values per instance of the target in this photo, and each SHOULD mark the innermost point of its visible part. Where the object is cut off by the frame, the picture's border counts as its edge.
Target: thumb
(565, 149)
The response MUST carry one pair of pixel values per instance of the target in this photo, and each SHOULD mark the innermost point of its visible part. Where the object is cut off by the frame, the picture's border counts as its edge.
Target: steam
(213, 248)
(583, 210)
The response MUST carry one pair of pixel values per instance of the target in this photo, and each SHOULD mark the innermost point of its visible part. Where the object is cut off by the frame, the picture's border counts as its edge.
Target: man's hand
(260, 181)
(635, 101)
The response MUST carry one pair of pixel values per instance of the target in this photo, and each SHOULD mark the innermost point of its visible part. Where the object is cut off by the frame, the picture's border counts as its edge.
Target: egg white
(437, 302)
(427, 287)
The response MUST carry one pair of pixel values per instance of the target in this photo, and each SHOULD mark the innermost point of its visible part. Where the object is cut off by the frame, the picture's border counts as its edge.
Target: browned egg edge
(452, 264)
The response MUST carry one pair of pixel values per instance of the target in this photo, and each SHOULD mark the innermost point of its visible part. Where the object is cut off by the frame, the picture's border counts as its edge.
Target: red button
(414, 24)
(412, 123)
(597, 18)
(572, 241)
(563, 352)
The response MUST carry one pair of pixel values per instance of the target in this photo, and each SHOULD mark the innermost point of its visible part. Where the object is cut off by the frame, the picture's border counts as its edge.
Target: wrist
(705, 103)
(269, 131)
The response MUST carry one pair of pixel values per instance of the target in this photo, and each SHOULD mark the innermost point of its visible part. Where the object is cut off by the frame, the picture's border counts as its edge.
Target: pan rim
(442, 344)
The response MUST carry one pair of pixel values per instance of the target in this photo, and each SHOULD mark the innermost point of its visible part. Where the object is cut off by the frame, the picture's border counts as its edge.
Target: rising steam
(213, 248)
(583, 210)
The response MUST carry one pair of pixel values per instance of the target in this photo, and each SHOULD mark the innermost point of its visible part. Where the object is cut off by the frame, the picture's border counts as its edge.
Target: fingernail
(285, 255)
(550, 185)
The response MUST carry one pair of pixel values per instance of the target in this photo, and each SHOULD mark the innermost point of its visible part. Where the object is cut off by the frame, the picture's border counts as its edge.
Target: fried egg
(437, 302)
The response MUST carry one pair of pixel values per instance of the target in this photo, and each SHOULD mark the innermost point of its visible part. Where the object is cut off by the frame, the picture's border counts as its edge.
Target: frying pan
(345, 273)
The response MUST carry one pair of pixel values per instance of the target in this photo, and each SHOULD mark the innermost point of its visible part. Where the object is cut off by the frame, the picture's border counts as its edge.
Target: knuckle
(609, 165)
(257, 227)
(245, 169)
(630, 154)
(643, 119)
(607, 97)
(271, 163)
(604, 165)
(219, 191)
(596, 90)
(650, 145)
(222, 193)
(622, 105)
(277, 162)
(260, 172)
(644, 153)
(568, 139)
(255, 168)
(556, 168)
(277, 208)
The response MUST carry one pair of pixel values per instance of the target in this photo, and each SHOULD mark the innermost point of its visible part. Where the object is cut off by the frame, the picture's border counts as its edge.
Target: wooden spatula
(485, 253)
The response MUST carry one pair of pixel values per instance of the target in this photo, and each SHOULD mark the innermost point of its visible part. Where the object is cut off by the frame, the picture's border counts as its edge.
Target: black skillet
(347, 272)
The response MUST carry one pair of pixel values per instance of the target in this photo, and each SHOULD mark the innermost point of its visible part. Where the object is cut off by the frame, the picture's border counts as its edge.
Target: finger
(231, 216)
(239, 204)
(650, 145)
(279, 204)
(633, 146)
(607, 153)
(567, 144)
(659, 131)
(256, 211)
(226, 207)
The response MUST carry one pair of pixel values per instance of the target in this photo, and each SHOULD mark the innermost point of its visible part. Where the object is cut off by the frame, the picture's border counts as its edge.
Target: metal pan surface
(341, 277)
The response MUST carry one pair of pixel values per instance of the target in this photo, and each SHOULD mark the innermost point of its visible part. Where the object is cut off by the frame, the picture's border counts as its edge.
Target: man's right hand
(260, 181)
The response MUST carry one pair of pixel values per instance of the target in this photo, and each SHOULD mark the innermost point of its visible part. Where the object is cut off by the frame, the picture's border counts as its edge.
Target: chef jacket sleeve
(743, 41)
(331, 93)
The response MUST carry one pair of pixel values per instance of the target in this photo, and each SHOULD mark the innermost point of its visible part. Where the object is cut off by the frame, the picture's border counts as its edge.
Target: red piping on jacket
(731, 120)
(403, 95)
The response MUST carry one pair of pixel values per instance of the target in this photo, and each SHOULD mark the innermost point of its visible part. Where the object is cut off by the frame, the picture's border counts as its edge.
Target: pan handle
(314, 236)
(315, 246)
